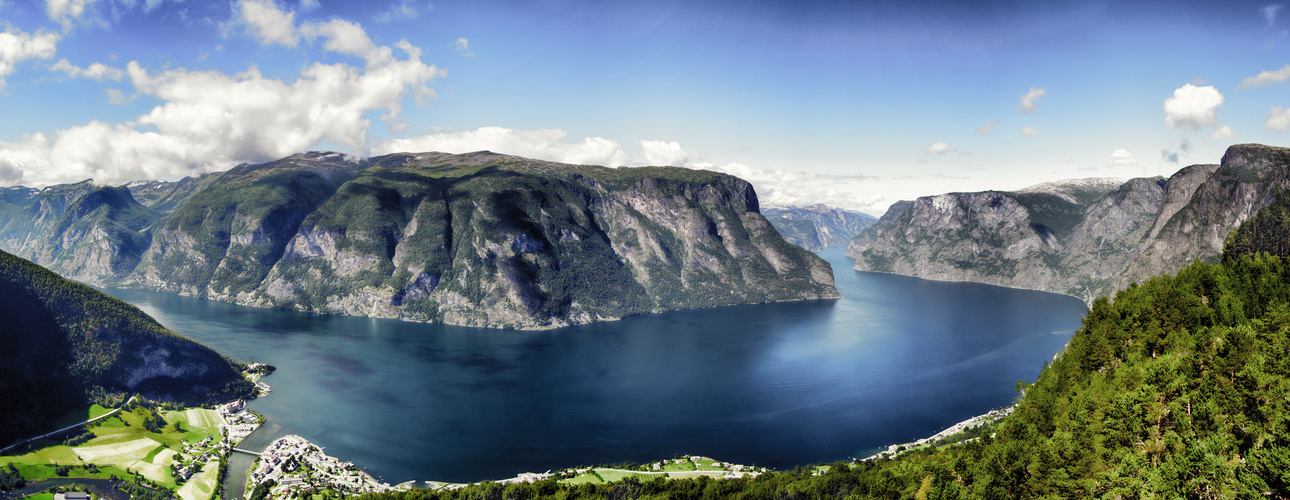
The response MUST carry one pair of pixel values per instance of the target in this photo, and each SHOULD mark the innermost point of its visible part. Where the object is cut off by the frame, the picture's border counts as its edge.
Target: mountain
(802, 233)
(479, 239)
(1085, 238)
(64, 341)
(1176, 389)
(831, 227)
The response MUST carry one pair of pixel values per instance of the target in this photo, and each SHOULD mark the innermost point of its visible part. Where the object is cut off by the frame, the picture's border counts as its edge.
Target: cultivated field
(201, 485)
(120, 453)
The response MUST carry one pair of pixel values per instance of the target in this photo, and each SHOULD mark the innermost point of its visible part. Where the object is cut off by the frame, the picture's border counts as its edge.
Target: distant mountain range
(817, 226)
(479, 239)
(1086, 238)
(63, 342)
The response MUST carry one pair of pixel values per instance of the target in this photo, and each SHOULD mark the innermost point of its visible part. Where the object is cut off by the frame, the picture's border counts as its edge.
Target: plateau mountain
(1085, 238)
(65, 344)
(479, 239)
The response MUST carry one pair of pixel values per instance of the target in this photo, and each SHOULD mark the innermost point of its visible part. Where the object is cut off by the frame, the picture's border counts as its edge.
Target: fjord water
(776, 385)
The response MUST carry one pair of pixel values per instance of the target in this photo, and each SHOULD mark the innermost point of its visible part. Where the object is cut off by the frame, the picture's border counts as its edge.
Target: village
(292, 463)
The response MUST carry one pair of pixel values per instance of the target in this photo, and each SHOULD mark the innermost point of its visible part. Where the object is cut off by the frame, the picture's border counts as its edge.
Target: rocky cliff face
(831, 227)
(1085, 238)
(802, 233)
(479, 239)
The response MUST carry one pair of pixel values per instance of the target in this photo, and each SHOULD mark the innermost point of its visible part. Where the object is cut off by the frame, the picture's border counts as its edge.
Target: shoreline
(991, 417)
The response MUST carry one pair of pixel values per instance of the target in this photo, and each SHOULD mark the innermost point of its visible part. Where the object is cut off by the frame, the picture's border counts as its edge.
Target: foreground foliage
(1178, 388)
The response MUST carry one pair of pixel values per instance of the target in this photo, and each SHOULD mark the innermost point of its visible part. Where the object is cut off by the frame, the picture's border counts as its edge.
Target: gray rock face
(478, 239)
(832, 227)
(1083, 238)
(798, 232)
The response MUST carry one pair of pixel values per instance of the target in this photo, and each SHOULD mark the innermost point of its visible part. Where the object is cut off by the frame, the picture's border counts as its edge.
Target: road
(68, 428)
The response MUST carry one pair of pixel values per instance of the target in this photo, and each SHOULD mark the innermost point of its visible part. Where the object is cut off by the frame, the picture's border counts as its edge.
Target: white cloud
(95, 71)
(309, 5)
(785, 188)
(115, 96)
(1192, 107)
(463, 47)
(939, 148)
(1278, 119)
(267, 22)
(210, 120)
(1121, 158)
(1029, 131)
(542, 144)
(346, 38)
(1266, 78)
(1269, 12)
(665, 153)
(1026, 104)
(987, 128)
(1223, 132)
(404, 10)
(17, 46)
(66, 11)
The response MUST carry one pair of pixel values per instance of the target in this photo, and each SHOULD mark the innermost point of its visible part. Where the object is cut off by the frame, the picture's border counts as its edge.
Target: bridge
(248, 452)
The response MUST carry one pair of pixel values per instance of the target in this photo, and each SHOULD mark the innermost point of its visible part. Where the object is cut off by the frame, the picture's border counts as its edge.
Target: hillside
(1083, 238)
(479, 239)
(66, 343)
(830, 227)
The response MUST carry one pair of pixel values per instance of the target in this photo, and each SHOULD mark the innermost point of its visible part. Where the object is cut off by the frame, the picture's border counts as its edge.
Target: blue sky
(856, 104)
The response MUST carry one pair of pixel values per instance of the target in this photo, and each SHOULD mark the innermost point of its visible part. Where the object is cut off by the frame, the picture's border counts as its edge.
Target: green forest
(1177, 388)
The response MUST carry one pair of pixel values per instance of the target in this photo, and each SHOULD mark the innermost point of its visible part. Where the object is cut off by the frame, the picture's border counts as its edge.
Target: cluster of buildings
(296, 464)
(202, 452)
(238, 423)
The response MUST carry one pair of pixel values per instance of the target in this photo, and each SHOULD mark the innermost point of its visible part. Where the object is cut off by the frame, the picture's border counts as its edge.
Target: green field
(611, 475)
(122, 446)
(97, 411)
(681, 467)
(585, 478)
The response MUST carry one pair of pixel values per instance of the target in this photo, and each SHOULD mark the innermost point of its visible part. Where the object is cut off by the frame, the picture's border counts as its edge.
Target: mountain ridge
(1086, 247)
(479, 239)
(829, 226)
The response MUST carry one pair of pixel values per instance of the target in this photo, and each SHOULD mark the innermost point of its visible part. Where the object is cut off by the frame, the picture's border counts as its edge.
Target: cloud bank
(209, 120)
(542, 144)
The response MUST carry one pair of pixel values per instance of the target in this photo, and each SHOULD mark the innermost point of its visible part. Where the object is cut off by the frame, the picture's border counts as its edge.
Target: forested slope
(63, 344)
(1176, 389)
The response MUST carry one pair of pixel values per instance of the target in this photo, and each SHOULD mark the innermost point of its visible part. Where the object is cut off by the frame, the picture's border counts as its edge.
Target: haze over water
(777, 385)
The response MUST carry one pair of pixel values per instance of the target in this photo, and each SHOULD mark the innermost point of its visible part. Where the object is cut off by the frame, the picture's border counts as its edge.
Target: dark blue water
(777, 385)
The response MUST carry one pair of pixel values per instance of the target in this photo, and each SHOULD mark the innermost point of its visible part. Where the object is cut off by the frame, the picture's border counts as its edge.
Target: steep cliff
(480, 239)
(1084, 238)
(63, 341)
(802, 233)
(832, 227)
